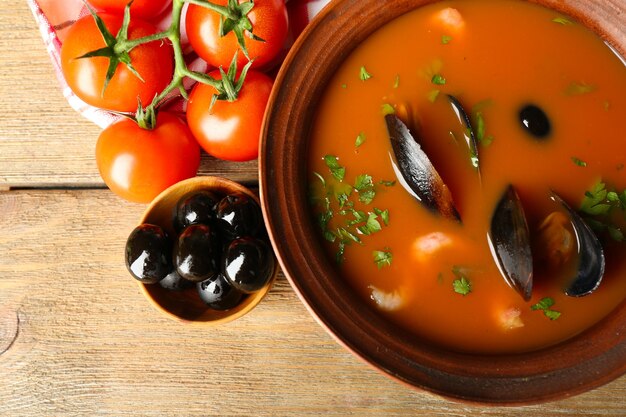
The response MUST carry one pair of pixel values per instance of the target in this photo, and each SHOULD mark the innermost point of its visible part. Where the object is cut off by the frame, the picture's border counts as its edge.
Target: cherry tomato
(137, 164)
(269, 22)
(230, 130)
(146, 9)
(154, 61)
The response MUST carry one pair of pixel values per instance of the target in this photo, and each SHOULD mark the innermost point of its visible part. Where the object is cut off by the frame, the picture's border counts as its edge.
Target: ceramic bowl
(186, 306)
(593, 358)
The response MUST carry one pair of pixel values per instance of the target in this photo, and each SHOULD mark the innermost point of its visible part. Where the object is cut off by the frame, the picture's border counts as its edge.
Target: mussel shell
(509, 238)
(591, 262)
(468, 130)
(415, 171)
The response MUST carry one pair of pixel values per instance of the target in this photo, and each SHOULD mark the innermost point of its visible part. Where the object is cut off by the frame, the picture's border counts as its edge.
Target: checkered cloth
(56, 16)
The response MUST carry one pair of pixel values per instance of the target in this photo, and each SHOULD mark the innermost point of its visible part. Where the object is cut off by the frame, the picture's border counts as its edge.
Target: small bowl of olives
(201, 253)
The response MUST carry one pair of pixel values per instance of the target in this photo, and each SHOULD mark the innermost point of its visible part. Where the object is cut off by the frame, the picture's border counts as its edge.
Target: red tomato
(230, 130)
(137, 164)
(269, 22)
(146, 9)
(154, 61)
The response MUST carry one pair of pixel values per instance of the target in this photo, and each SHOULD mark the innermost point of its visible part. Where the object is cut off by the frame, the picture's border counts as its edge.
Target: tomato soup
(546, 102)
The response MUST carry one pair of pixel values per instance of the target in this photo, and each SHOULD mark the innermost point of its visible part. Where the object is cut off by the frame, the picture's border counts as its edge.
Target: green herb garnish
(576, 88)
(372, 225)
(387, 183)
(365, 187)
(438, 79)
(364, 75)
(396, 82)
(579, 162)
(344, 86)
(544, 305)
(349, 225)
(445, 39)
(382, 258)
(388, 109)
(599, 204)
(562, 21)
(432, 95)
(384, 215)
(462, 286)
(479, 125)
(332, 162)
(360, 139)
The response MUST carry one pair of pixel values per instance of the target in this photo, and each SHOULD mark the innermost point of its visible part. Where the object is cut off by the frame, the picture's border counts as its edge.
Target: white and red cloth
(56, 16)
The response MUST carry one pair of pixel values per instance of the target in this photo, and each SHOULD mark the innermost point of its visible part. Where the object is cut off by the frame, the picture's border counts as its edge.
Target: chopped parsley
(332, 162)
(344, 86)
(544, 305)
(396, 82)
(388, 109)
(432, 95)
(461, 285)
(438, 79)
(445, 39)
(365, 187)
(384, 215)
(382, 258)
(360, 139)
(372, 225)
(562, 21)
(579, 162)
(478, 122)
(364, 75)
(349, 225)
(599, 204)
(576, 89)
(387, 183)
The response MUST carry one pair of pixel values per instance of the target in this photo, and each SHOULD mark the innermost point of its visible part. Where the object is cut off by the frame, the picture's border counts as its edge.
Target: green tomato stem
(223, 10)
(180, 67)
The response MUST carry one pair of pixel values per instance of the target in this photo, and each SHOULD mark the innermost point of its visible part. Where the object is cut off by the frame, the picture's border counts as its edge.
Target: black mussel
(197, 207)
(238, 215)
(509, 238)
(415, 171)
(248, 264)
(196, 254)
(174, 282)
(218, 293)
(468, 131)
(567, 238)
(535, 121)
(148, 253)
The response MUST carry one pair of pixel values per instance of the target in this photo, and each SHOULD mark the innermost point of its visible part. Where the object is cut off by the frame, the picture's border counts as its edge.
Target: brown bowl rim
(224, 186)
(516, 379)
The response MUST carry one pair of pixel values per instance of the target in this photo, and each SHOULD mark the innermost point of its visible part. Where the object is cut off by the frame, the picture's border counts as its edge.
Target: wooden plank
(43, 141)
(77, 338)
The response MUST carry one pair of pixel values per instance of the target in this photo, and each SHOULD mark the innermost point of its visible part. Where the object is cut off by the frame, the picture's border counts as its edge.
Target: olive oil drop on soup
(520, 110)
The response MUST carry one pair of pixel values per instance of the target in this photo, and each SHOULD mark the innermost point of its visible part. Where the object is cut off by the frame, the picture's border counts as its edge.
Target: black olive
(149, 253)
(196, 253)
(194, 208)
(535, 121)
(248, 264)
(218, 294)
(238, 215)
(173, 281)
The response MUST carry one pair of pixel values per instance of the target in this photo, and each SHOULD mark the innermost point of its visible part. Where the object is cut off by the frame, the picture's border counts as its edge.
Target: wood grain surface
(78, 339)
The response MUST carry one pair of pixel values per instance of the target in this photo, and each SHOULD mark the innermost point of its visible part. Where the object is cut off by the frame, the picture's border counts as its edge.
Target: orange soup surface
(438, 277)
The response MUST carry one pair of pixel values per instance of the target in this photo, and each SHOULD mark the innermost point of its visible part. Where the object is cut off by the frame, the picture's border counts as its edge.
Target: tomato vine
(234, 18)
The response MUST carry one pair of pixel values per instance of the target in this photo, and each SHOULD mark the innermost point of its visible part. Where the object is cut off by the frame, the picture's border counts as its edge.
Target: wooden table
(78, 338)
